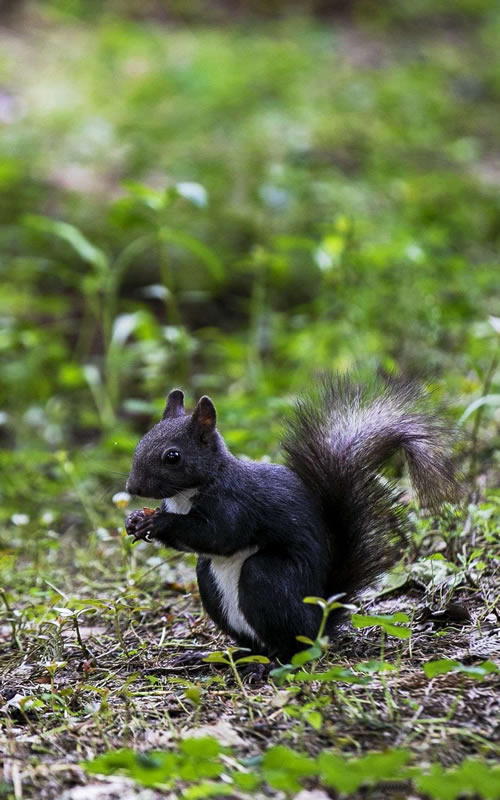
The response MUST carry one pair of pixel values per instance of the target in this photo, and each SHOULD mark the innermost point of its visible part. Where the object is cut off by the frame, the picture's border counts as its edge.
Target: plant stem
(488, 378)
(79, 637)
(15, 640)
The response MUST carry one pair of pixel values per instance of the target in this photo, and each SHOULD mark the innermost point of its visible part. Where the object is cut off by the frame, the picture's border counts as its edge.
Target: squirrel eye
(171, 456)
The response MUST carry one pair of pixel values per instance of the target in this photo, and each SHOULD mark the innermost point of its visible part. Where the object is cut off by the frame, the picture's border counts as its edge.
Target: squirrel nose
(132, 488)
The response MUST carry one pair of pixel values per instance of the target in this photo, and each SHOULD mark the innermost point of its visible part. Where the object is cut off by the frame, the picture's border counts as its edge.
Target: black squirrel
(328, 522)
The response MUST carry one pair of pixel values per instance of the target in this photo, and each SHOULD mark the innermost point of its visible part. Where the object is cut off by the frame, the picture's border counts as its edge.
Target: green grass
(234, 209)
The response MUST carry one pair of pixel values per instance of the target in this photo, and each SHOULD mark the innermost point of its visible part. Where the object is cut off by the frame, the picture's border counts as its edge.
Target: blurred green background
(232, 197)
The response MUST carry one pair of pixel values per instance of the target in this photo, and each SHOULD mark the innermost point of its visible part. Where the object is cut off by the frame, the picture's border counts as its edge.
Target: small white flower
(121, 499)
(415, 253)
(20, 519)
(103, 534)
(194, 192)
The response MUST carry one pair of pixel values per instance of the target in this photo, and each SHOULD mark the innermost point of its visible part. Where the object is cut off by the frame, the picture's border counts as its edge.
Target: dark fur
(325, 523)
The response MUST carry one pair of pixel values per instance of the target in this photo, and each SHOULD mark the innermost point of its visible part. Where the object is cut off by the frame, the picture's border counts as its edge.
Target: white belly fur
(180, 503)
(226, 573)
(225, 569)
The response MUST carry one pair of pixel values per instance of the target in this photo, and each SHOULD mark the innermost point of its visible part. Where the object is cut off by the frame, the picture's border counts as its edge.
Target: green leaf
(278, 757)
(156, 199)
(193, 694)
(109, 763)
(316, 601)
(486, 400)
(72, 236)
(304, 656)
(149, 769)
(440, 784)
(384, 621)
(207, 789)
(385, 765)
(192, 769)
(444, 665)
(439, 667)
(348, 775)
(64, 612)
(314, 718)
(399, 616)
(216, 658)
(479, 671)
(337, 773)
(375, 666)
(282, 767)
(397, 630)
(339, 673)
(201, 747)
(203, 253)
(435, 571)
(392, 580)
(484, 778)
(252, 660)
(280, 674)
(329, 603)
(247, 781)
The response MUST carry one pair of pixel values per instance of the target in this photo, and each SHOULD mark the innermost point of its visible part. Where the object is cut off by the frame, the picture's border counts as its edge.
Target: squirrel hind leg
(271, 592)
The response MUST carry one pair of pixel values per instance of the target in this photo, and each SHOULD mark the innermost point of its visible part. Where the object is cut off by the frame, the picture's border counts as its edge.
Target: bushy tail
(338, 442)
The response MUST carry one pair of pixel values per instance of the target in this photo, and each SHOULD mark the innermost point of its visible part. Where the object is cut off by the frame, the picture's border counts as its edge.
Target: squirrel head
(182, 451)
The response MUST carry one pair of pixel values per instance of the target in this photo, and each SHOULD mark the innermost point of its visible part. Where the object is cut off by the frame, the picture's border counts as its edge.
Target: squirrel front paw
(136, 523)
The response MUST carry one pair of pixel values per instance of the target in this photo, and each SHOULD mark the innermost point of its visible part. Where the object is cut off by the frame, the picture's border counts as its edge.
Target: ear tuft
(204, 417)
(175, 404)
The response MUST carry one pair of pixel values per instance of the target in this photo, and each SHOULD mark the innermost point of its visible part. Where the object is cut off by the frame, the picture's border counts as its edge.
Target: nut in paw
(135, 523)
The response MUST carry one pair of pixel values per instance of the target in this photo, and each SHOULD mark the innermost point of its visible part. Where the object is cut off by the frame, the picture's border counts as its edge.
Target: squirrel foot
(256, 673)
(191, 658)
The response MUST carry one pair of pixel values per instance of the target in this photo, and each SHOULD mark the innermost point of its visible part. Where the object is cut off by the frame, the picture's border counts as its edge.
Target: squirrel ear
(204, 417)
(175, 405)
